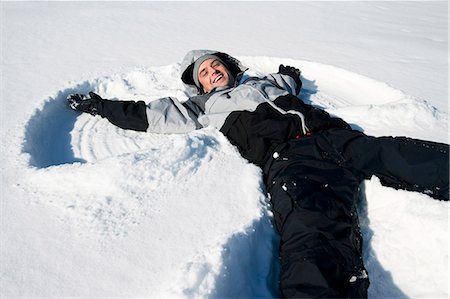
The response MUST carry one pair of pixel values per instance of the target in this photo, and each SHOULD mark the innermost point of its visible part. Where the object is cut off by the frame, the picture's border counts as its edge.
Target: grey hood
(187, 65)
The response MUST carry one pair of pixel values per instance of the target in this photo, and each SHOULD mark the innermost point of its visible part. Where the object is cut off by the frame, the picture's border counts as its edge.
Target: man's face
(212, 73)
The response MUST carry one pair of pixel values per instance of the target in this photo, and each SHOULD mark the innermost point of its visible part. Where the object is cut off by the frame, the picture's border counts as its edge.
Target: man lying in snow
(313, 163)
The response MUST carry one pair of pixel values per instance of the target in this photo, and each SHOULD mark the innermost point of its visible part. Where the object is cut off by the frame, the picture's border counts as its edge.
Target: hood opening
(232, 64)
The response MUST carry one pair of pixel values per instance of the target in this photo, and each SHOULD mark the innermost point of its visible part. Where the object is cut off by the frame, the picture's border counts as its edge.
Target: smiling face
(212, 73)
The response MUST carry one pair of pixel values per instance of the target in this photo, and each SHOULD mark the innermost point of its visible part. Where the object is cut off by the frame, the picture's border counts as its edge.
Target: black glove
(292, 72)
(91, 103)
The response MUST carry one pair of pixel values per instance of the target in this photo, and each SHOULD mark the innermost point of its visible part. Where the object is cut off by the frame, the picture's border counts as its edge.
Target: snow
(90, 210)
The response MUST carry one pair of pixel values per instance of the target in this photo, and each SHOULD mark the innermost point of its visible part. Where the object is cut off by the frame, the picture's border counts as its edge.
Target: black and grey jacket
(168, 115)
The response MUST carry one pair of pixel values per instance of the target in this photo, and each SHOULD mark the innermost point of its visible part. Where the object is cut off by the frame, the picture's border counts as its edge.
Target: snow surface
(90, 210)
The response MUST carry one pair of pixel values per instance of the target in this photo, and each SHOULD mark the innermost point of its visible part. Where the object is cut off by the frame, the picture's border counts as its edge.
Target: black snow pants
(313, 183)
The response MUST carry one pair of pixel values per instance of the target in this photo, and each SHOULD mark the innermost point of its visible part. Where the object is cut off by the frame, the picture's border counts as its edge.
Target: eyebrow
(202, 71)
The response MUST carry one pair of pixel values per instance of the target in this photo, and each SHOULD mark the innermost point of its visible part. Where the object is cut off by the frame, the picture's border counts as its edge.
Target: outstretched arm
(124, 114)
(165, 115)
(288, 79)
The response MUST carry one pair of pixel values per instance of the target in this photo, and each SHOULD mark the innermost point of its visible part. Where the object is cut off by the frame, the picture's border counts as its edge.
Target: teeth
(217, 78)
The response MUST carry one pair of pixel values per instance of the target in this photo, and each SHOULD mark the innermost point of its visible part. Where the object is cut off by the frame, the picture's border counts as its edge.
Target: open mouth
(219, 77)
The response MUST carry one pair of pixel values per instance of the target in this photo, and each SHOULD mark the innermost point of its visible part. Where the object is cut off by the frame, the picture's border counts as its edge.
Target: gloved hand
(91, 103)
(292, 72)
(124, 114)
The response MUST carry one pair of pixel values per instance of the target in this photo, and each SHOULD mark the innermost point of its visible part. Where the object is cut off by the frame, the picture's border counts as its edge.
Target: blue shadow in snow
(47, 133)
(251, 266)
(309, 88)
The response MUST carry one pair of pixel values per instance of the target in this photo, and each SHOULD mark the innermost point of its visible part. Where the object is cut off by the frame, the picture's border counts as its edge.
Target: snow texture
(91, 210)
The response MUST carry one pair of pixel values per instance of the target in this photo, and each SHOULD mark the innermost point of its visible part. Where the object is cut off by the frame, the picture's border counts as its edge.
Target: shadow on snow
(47, 133)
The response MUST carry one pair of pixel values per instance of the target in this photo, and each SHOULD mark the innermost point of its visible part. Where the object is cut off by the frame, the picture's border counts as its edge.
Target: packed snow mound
(194, 211)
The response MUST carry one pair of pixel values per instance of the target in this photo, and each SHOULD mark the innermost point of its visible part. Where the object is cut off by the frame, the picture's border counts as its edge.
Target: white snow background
(90, 210)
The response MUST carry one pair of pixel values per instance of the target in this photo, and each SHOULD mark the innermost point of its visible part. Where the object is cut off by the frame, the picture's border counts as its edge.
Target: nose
(213, 71)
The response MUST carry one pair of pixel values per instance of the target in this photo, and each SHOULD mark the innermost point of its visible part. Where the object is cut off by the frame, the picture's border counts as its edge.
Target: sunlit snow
(91, 210)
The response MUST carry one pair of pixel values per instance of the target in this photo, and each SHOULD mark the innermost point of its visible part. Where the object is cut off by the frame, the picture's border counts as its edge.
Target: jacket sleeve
(128, 115)
(168, 115)
(285, 82)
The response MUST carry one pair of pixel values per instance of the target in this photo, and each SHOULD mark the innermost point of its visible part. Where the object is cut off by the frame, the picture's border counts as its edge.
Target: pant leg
(314, 205)
(399, 162)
